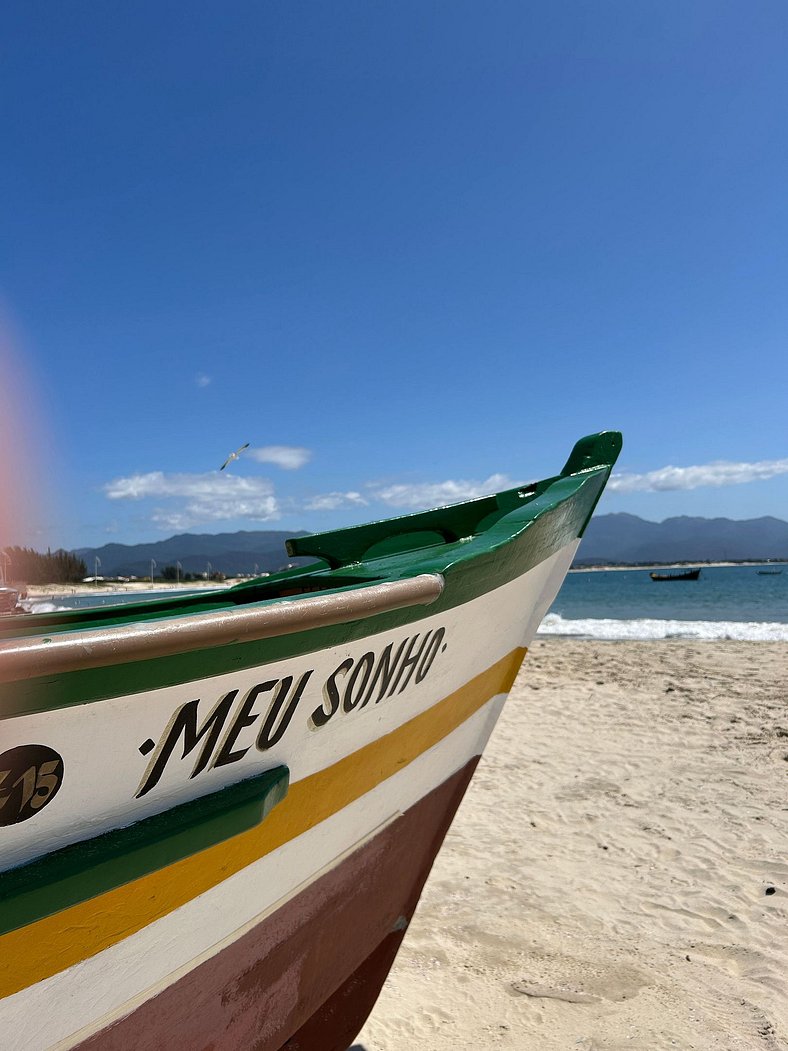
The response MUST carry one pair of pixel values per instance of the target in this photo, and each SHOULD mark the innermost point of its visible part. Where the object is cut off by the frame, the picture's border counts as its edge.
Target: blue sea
(727, 602)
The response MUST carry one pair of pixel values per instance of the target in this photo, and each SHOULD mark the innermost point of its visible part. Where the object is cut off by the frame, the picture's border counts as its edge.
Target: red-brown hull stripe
(306, 977)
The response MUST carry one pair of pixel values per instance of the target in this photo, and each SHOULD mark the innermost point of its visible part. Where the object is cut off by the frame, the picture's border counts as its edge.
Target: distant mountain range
(609, 540)
(627, 539)
(233, 554)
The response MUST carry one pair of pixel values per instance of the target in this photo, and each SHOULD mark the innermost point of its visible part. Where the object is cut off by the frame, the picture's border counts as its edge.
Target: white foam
(706, 630)
(609, 629)
(42, 607)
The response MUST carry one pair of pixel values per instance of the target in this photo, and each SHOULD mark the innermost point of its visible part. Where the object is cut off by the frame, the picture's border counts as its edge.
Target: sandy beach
(40, 592)
(617, 876)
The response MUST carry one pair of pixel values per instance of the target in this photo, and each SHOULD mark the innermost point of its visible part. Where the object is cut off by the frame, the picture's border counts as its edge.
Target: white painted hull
(102, 742)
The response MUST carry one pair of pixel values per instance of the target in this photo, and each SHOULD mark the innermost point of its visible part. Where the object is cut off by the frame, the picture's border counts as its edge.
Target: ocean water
(727, 602)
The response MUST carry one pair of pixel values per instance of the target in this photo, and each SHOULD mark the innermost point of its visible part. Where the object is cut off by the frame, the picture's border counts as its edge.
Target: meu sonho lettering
(223, 735)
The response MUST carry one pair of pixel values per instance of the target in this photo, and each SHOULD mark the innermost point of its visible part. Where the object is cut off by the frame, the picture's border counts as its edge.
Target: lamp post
(96, 564)
(152, 567)
(208, 571)
(178, 568)
(4, 568)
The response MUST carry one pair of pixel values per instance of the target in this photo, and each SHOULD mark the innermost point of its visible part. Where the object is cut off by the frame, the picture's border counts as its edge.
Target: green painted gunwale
(477, 546)
(84, 870)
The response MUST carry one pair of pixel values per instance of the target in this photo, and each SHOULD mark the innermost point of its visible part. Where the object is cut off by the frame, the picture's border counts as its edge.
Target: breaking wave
(645, 629)
(640, 629)
(42, 607)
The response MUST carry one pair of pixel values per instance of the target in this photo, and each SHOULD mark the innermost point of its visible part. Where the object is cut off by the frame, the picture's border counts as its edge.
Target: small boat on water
(769, 572)
(689, 574)
(217, 811)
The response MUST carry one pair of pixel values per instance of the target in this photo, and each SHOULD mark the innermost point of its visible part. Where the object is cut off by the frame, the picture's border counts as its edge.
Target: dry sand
(617, 876)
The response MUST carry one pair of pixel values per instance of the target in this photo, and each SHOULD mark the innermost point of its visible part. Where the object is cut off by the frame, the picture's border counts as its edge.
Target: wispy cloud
(719, 473)
(334, 501)
(183, 501)
(290, 457)
(202, 380)
(193, 499)
(433, 494)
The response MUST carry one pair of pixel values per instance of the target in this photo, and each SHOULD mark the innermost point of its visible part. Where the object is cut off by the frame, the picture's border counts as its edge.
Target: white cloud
(333, 501)
(290, 457)
(197, 498)
(434, 494)
(201, 380)
(717, 474)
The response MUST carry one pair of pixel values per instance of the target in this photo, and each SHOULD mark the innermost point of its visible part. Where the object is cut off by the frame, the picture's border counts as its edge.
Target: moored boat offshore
(217, 812)
(686, 574)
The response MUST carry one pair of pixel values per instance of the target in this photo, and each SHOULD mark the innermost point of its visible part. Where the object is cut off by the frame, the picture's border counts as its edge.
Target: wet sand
(617, 876)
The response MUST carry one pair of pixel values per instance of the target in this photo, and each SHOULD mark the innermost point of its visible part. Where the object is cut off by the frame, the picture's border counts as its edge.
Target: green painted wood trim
(595, 450)
(472, 567)
(589, 453)
(518, 529)
(81, 871)
(342, 547)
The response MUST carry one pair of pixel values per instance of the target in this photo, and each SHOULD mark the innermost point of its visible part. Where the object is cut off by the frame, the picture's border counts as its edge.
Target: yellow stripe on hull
(36, 952)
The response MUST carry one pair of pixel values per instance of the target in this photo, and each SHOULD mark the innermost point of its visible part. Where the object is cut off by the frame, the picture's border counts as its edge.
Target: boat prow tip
(595, 450)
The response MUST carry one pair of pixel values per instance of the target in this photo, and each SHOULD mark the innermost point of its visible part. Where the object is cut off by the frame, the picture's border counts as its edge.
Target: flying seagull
(234, 456)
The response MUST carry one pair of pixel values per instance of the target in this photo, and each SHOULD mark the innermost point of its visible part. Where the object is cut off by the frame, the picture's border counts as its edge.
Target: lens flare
(19, 437)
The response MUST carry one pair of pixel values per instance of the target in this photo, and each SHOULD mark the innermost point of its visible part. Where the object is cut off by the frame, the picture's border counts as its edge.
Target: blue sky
(408, 251)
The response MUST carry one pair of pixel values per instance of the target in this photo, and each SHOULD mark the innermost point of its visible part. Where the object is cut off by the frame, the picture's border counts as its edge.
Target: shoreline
(45, 591)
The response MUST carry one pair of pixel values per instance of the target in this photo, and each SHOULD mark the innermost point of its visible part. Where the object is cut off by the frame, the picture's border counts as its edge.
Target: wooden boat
(217, 812)
(689, 574)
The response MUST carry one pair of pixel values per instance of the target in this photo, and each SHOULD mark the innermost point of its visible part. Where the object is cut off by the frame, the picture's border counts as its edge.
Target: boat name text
(354, 684)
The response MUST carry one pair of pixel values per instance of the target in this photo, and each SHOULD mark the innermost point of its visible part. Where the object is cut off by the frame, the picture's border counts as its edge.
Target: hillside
(623, 538)
(609, 539)
(233, 554)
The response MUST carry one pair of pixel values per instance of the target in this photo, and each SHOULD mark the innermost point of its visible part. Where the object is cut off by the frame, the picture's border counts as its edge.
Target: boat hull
(307, 976)
(100, 957)
(239, 808)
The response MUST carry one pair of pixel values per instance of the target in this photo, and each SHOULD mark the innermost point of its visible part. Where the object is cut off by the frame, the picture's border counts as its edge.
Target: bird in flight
(234, 456)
